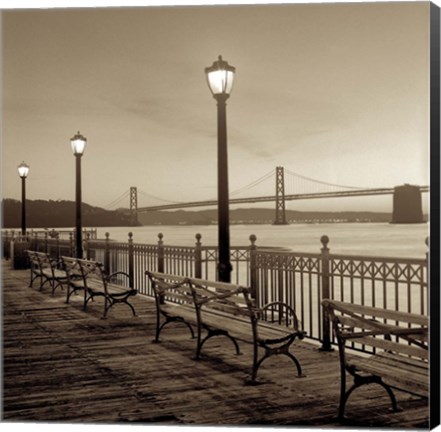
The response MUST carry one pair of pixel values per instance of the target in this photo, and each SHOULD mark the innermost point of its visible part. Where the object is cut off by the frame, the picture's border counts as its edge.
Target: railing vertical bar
(409, 289)
(302, 296)
(351, 279)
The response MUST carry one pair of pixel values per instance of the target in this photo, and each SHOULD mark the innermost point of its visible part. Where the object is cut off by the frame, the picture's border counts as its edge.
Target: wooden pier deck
(61, 364)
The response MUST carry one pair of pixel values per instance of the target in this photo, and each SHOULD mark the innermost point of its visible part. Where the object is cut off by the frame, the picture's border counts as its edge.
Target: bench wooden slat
(177, 298)
(379, 327)
(379, 312)
(413, 380)
(407, 360)
(240, 328)
(215, 284)
(228, 308)
(184, 311)
(393, 346)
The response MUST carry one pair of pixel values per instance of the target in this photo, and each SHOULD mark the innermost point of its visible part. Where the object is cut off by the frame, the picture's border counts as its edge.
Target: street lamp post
(220, 78)
(78, 143)
(23, 171)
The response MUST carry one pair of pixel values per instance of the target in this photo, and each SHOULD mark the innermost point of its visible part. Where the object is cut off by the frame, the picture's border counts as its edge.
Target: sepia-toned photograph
(221, 215)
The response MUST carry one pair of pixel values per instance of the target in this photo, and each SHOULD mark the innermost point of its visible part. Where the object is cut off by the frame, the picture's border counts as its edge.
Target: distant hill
(257, 216)
(57, 214)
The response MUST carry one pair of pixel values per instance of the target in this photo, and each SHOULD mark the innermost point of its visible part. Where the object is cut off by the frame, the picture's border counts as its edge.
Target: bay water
(367, 239)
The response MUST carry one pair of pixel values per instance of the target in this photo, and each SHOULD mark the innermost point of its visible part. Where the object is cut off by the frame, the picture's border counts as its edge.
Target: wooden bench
(47, 269)
(90, 277)
(398, 342)
(223, 309)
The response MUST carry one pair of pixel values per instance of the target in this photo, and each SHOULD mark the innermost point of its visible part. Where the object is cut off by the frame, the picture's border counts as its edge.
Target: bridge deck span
(269, 198)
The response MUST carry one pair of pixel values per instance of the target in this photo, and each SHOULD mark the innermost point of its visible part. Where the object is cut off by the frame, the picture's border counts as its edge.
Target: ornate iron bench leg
(182, 320)
(108, 303)
(358, 382)
(158, 329)
(131, 307)
(33, 277)
(87, 301)
(296, 362)
(56, 285)
(216, 332)
(69, 293)
(256, 366)
(44, 283)
(271, 351)
(112, 301)
(344, 396)
(170, 319)
(391, 395)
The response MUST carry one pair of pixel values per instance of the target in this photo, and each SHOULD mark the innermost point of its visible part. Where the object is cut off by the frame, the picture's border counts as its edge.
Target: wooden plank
(409, 379)
(393, 346)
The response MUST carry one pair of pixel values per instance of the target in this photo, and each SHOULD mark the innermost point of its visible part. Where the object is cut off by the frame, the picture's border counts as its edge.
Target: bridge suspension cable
(253, 183)
(157, 198)
(116, 201)
(322, 182)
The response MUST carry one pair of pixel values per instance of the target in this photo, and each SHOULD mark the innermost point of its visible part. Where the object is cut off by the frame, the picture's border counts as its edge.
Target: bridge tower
(407, 204)
(134, 203)
(280, 197)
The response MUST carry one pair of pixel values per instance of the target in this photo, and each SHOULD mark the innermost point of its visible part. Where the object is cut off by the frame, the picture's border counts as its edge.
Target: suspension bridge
(407, 206)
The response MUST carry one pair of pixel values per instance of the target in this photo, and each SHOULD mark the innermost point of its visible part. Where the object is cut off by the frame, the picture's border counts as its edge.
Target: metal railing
(302, 280)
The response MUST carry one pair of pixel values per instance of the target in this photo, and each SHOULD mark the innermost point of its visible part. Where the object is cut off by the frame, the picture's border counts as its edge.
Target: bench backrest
(381, 329)
(171, 288)
(93, 274)
(72, 268)
(45, 260)
(41, 260)
(33, 259)
(222, 297)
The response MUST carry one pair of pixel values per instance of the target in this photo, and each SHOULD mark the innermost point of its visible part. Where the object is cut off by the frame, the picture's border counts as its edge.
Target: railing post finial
(324, 239)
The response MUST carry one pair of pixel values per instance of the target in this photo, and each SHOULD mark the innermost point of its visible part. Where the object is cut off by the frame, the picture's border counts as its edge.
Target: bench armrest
(109, 277)
(56, 263)
(280, 313)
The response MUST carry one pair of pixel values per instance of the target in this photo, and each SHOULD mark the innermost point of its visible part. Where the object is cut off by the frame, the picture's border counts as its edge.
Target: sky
(334, 92)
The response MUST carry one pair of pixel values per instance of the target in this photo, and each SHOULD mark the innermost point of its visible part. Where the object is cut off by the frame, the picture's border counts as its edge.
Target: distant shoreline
(58, 214)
